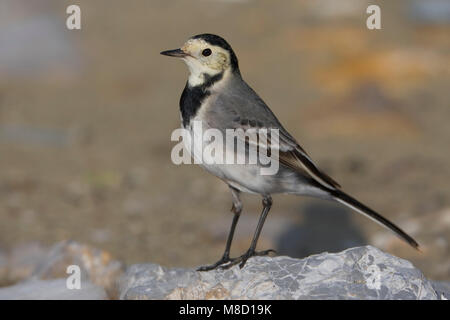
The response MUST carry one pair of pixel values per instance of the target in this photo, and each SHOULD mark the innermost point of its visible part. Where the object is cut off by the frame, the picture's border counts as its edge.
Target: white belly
(245, 177)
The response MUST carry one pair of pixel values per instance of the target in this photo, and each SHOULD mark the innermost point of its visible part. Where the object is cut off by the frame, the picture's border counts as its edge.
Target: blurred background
(86, 117)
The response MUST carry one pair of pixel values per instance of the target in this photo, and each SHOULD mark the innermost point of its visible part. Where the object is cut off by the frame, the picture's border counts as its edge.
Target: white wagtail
(216, 95)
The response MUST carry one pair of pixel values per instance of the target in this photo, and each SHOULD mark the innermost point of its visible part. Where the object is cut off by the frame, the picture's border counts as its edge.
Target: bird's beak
(174, 53)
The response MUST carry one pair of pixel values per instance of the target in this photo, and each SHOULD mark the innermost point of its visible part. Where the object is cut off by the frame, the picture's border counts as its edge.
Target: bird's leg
(236, 209)
(267, 204)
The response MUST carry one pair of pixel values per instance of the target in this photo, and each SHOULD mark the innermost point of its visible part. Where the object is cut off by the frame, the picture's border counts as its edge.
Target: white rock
(356, 273)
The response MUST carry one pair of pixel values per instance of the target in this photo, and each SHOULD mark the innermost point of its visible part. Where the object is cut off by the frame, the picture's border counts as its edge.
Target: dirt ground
(86, 118)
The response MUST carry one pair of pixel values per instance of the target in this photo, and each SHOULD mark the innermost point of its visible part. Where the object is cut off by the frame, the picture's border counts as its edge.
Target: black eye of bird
(206, 52)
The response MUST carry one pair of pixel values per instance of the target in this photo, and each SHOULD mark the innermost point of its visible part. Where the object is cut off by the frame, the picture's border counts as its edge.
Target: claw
(213, 266)
(242, 260)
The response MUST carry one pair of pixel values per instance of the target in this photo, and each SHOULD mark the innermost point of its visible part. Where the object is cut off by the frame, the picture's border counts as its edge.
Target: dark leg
(267, 204)
(236, 209)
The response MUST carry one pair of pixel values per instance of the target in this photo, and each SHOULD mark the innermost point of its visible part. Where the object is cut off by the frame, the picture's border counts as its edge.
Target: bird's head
(206, 55)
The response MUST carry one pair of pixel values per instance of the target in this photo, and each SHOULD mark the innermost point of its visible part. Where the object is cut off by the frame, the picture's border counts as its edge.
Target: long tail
(359, 207)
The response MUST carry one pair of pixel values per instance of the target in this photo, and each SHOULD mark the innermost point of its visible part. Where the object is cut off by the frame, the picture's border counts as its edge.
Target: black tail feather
(361, 208)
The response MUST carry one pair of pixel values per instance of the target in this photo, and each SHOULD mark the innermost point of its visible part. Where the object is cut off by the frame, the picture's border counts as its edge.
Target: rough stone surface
(442, 289)
(55, 289)
(356, 273)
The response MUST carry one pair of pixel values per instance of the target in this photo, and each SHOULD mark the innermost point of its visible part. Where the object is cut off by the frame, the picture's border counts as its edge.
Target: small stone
(55, 289)
(96, 266)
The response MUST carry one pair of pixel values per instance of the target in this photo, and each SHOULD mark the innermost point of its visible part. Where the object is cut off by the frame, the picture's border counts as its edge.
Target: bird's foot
(225, 259)
(243, 259)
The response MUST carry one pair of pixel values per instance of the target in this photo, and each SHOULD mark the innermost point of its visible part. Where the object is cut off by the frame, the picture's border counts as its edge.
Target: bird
(217, 96)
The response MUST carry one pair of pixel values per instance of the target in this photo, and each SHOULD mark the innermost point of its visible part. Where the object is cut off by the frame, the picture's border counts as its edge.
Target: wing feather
(240, 107)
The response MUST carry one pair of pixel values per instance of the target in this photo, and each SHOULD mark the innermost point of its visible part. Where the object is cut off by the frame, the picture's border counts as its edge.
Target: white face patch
(199, 64)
